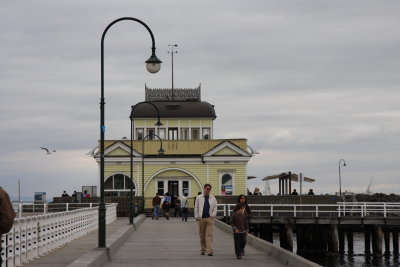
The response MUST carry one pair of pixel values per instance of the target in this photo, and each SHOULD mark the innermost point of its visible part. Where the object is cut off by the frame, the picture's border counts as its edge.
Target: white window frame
(232, 174)
(180, 183)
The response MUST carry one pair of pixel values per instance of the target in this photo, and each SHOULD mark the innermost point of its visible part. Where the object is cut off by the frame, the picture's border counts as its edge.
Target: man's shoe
(242, 253)
(238, 257)
(202, 253)
(210, 254)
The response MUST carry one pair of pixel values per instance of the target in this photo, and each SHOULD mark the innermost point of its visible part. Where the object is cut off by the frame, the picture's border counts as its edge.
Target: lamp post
(340, 177)
(153, 66)
(158, 123)
(160, 152)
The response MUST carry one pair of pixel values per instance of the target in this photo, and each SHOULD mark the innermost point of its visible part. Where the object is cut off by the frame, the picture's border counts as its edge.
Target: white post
(294, 209)
(316, 210)
(19, 210)
(45, 208)
(384, 210)
(272, 210)
(66, 206)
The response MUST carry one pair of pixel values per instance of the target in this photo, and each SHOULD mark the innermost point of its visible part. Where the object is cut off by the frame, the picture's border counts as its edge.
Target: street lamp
(160, 152)
(340, 177)
(153, 66)
(158, 123)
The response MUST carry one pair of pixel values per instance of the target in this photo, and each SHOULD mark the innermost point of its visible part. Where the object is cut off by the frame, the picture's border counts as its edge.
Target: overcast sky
(306, 82)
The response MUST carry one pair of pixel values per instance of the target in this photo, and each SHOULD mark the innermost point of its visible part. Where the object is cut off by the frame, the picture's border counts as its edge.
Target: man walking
(156, 206)
(7, 215)
(205, 210)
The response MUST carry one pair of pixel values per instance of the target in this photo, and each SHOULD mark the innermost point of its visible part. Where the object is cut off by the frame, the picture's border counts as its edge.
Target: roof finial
(172, 63)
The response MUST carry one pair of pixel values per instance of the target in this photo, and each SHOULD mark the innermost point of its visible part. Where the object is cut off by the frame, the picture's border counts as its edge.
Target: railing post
(294, 210)
(362, 211)
(67, 207)
(20, 210)
(90, 204)
(45, 208)
(365, 209)
(339, 211)
(384, 210)
(272, 211)
(316, 211)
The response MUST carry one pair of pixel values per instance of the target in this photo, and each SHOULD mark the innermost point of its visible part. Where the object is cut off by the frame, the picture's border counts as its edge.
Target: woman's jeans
(156, 210)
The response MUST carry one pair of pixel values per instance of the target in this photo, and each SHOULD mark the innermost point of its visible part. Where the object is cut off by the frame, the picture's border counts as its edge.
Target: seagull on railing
(47, 151)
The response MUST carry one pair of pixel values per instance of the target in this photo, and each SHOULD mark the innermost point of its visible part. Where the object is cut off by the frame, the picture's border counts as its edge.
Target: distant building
(191, 158)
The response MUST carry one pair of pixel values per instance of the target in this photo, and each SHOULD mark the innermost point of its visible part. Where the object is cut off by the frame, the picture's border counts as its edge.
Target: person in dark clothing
(156, 206)
(7, 215)
(177, 209)
(240, 229)
(64, 194)
(166, 205)
(247, 210)
(311, 192)
(294, 193)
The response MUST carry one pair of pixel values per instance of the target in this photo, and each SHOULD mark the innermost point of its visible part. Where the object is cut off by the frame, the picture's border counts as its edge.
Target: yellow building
(191, 156)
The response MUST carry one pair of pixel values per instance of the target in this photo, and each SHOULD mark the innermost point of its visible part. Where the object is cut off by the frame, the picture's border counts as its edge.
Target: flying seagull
(47, 151)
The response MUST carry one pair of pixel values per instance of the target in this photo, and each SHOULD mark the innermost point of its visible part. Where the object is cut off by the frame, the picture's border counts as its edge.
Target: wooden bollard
(333, 247)
(377, 236)
(395, 235)
(386, 235)
(350, 244)
(341, 239)
(367, 241)
(285, 236)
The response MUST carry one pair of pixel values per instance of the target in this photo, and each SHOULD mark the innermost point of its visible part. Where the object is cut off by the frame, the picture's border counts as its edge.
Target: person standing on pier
(185, 207)
(205, 210)
(7, 215)
(156, 206)
(240, 229)
(166, 205)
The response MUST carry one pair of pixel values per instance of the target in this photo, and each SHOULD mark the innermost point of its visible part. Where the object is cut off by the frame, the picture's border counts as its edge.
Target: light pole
(340, 177)
(158, 123)
(153, 66)
(160, 152)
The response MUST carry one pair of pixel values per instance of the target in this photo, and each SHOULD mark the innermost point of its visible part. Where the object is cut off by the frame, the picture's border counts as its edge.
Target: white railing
(361, 209)
(23, 209)
(35, 236)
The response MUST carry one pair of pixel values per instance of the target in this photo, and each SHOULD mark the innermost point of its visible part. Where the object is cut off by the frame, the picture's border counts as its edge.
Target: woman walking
(166, 205)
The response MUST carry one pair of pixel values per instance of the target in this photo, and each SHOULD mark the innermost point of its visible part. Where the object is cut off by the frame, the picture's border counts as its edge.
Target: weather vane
(172, 63)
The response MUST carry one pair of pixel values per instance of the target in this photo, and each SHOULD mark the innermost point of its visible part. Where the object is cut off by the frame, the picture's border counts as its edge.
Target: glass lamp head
(153, 64)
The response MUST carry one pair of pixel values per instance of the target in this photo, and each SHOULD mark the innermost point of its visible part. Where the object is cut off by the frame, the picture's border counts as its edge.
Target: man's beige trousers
(206, 232)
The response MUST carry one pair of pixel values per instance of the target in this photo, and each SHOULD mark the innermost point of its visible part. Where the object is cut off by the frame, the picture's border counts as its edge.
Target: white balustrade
(340, 209)
(35, 236)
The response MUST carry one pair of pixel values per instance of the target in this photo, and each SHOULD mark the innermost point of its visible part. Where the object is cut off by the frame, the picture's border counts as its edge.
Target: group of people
(181, 206)
(310, 192)
(205, 211)
(85, 194)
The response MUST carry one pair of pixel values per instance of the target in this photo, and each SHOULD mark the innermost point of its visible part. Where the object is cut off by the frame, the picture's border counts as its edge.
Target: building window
(160, 188)
(119, 185)
(226, 185)
(150, 133)
(173, 133)
(185, 187)
(139, 133)
(184, 133)
(161, 133)
(206, 133)
(195, 133)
